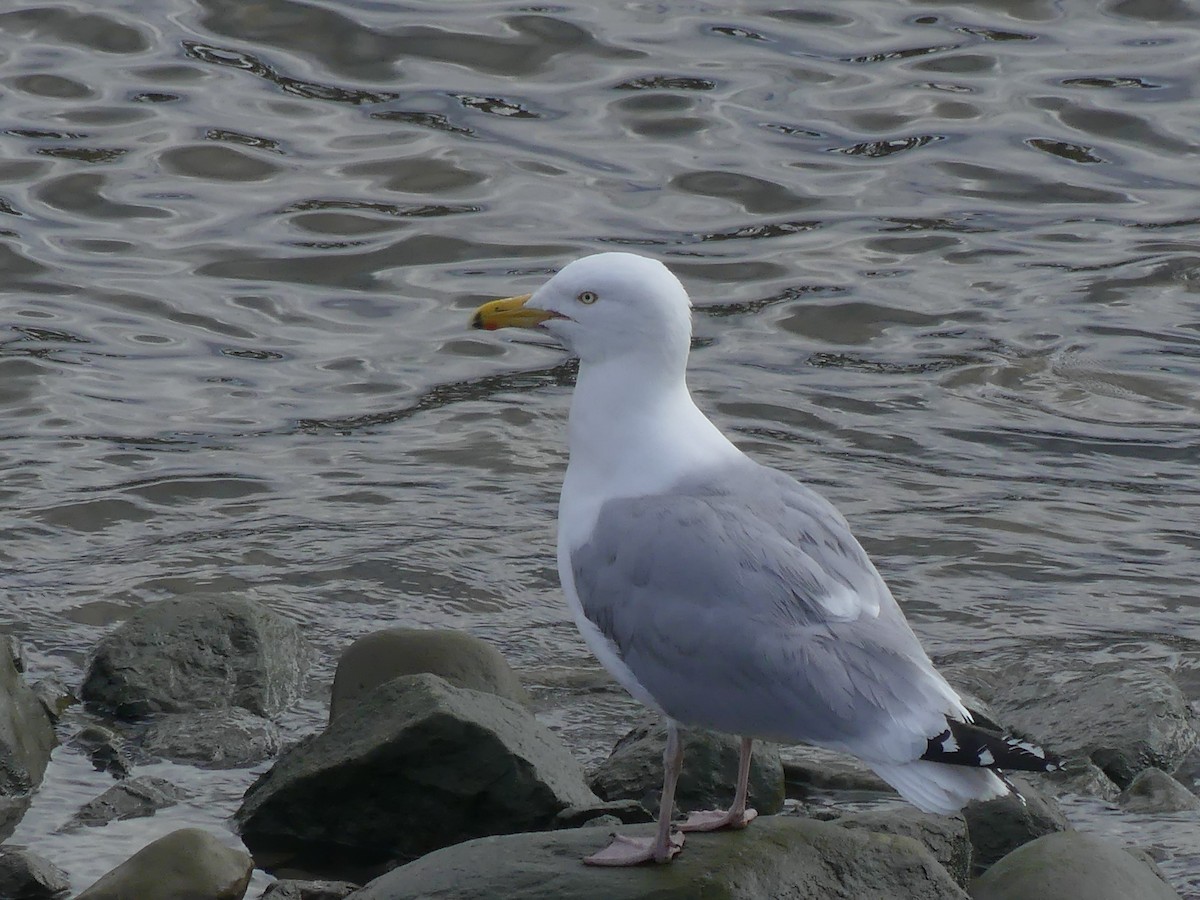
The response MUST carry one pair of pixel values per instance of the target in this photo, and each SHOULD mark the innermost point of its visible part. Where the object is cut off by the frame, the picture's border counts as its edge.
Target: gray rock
(294, 889)
(108, 751)
(413, 766)
(1124, 718)
(634, 771)
(997, 827)
(1080, 777)
(54, 695)
(779, 857)
(214, 738)
(27, 876)
(809, 770)
(1069, 865)
(188, 864)
(462, 659)
(628, 812)
(945, 837)
(26, 739)
(1155, 791)
(133, 798)
(198, 652)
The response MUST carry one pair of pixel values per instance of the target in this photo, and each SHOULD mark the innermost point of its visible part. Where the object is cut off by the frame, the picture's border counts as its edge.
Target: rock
(1154, 791)
(129, 799)
(27, 876)
(634, 771)
(215, 738)
(945, 837)
(808, 770)
(779, 857)
(462, 659)
(293, 889)
(26, 739)
(628, 812)
(999, 826)
(1081, 777)
(107, 750)
(198, 652)
(54, 695)
(1123, 717)
(188, 864)
(1068, 865)
(415, 765)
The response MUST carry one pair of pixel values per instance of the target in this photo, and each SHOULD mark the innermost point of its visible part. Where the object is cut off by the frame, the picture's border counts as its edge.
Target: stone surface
(997, 827)
(132, 798)
(198, 652)
(634, 771)
(1080, 776)
(188, 864)
(811, 770)
(108, 751)
(415, 765)
(462, 659)
(1155, 791)
(1123, 717)
(777, 857)
(214, 738)
(628, 812)
(54, 696)
(1071, 865)
(294, 889)
(945, 837)
(26, 739)
(27, 876)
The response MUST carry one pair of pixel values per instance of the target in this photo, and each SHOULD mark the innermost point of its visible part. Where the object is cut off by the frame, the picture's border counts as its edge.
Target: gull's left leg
(737, 816)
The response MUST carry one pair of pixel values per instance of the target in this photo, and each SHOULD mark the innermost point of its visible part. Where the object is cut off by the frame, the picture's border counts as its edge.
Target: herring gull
(719, 592)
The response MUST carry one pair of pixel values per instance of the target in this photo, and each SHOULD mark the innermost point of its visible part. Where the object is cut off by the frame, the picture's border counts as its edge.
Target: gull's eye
(588, 297)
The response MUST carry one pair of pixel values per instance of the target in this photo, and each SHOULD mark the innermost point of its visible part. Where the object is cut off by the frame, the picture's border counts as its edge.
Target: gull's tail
(963, 763)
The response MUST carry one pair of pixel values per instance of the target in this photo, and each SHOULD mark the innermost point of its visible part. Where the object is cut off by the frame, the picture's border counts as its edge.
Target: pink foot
(714, 819)
(627, 851)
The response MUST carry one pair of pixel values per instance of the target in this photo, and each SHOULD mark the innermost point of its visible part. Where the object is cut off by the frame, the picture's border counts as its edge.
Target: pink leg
(627, 851)
(737, 816)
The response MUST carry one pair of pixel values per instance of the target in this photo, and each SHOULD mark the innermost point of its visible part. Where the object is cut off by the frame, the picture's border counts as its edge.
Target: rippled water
(946, 259)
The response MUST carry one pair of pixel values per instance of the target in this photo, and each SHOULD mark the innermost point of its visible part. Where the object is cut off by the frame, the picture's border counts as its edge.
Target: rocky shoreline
(433, 778)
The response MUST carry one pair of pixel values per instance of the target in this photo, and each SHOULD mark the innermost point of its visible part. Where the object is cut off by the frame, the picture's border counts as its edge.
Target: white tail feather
(939, 788)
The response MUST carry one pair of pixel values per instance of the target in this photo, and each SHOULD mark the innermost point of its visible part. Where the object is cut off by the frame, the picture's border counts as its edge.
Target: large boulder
(815, 770)
(27, 876)
(462, 659)
(415, 765)
(1125, 718)
(1068, 865)
(997, 827)
(780, 857)
(198, 652)
(945, 837)
(634, 771)
(188, 864)
(1154, 791)
(26, 739)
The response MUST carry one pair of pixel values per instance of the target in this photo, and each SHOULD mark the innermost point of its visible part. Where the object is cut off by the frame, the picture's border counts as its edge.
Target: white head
(604, 307)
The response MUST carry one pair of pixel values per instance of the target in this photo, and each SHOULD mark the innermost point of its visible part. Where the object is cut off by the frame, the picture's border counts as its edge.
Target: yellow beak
(511, 312)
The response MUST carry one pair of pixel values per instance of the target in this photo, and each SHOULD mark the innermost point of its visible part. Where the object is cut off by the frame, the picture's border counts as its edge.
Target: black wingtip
(965, 744)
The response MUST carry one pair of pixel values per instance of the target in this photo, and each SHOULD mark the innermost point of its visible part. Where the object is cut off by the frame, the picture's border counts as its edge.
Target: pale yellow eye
(588, 297)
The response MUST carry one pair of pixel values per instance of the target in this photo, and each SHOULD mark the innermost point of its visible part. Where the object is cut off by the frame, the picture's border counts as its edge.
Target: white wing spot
(985, 757)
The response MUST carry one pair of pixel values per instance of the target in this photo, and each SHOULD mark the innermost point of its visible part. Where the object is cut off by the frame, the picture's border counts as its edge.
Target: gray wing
(744, 604)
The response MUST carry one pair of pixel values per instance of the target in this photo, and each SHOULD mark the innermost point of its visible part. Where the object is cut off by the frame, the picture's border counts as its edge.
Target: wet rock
(628, 812)
(1081, 777)
(108, 751)
(415, 765)
(188, 864)
(294, 889)
(214, 738)
(1154, 791)
(810, 770)
(198, 652)
(130, 799)
(1070, 864)
(945, 837)
(54, 695)
(27, 876)
(997, 827)
(1123, 717)
(634, 771)
(780, 857)
(26, 739)
(461, 659)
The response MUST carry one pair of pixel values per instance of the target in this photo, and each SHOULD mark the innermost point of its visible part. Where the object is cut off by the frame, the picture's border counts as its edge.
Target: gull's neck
(633, 430)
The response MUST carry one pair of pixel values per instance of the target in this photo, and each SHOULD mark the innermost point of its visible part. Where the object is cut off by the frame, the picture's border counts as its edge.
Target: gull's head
(603, 307)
